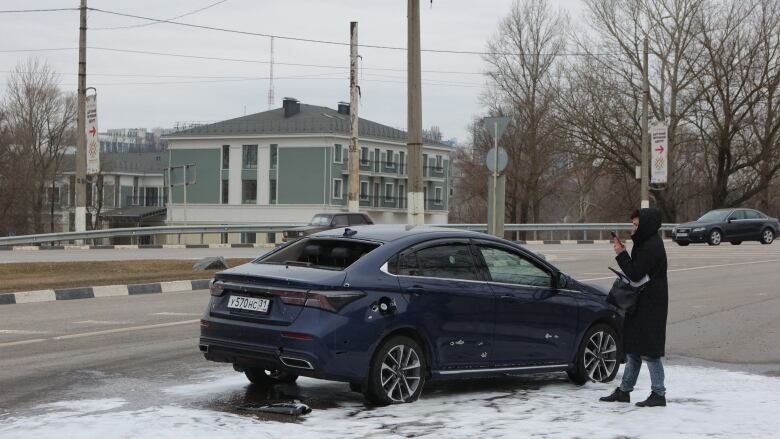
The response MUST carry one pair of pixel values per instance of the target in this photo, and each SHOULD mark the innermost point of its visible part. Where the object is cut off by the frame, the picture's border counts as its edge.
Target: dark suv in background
(327, 221)
(732, 225)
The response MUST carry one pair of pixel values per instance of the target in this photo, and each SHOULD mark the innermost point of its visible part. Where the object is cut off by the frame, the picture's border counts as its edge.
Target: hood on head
(649, 224)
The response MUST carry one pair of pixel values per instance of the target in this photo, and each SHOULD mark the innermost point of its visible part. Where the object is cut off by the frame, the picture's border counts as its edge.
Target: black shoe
(617, 396)
(654, 400)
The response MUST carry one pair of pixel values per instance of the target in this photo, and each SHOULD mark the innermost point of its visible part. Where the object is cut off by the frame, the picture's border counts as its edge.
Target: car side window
(752, 215)
(510, 268)
(357, 220)
(737, 215)
(340, 221)
(449, 261)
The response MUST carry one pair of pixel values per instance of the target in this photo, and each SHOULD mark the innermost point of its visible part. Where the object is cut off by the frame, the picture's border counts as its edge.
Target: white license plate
(248, 304)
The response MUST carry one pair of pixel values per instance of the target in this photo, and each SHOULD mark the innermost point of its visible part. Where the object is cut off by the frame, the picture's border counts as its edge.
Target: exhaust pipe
(296, 363)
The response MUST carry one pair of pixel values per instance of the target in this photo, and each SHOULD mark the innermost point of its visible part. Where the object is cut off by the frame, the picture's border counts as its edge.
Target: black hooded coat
(645, 329)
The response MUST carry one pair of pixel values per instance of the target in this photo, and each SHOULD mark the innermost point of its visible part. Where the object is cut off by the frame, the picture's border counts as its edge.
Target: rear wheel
(767, 236)
(598, 357)
(397, 372)
(715, 237)
(266, 377)
(736, 242)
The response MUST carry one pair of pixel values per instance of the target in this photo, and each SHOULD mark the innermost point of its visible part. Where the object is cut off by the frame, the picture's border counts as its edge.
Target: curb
(128, 247)
(102, 291)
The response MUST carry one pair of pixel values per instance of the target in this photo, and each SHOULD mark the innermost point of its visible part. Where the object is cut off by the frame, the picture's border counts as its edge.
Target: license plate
(248, 304)
(682, 235)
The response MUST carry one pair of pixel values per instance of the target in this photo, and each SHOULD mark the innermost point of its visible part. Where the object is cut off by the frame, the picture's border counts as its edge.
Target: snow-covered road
(703, 402)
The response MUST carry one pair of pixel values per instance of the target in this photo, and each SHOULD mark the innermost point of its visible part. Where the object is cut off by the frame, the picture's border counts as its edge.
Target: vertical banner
(659, 157)
(93, 144)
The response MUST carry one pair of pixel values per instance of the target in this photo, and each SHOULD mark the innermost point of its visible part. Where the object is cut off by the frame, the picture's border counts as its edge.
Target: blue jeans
(631, 373)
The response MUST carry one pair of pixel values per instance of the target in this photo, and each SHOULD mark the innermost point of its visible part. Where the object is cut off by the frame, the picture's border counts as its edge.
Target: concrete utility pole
(414, 144)
(81, 135)
(645, 150)
(354, 167)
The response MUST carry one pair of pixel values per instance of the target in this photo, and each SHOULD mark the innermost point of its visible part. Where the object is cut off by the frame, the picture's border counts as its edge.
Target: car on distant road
(386, 308)
(325, 221)
(732, 225)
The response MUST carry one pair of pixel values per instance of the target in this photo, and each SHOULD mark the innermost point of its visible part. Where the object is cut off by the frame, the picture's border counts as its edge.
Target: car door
(454, 304)
(754, 223)
(735, 226)
(535, 323)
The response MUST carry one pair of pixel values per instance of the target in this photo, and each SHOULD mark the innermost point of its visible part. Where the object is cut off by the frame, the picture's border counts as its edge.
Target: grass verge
(50, 275)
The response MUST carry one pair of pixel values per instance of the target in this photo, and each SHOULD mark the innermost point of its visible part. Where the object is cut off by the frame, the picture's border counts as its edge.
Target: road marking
(20, 331)
(704, 267)
(175, 314)
(22, 342)
(128, 329)
(96, 333)
(99, 322)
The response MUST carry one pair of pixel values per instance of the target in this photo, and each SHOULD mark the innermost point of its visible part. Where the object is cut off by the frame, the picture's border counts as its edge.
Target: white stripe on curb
(126, 247)
(26, 247)
(174, 246)
(177, 285)
(110, 290)
(75, 247)
(35, 296)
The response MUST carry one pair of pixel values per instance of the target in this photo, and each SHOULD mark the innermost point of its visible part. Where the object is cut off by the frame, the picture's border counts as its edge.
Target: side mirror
(562, 281)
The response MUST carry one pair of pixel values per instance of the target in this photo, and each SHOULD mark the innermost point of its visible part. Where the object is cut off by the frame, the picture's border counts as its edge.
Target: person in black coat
(644, 333)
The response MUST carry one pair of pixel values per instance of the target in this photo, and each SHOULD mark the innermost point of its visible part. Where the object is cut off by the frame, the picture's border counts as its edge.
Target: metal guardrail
(536, 229)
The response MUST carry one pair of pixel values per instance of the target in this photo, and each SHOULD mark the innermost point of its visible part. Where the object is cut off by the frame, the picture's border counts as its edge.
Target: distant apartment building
(286, 164)
(133, 140)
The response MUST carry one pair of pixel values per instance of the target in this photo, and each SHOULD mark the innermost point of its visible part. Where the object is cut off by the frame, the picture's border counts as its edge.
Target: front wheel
(263, 377)
(598, 357)
(768, 236)
(397, 372)
(715, 238)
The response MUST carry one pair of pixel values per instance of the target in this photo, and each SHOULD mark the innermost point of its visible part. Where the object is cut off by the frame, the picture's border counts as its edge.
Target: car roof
(392, 232)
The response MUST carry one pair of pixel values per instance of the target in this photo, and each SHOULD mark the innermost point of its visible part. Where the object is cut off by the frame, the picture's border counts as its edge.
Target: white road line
(704, 267)
(96, 333)
(167, 313)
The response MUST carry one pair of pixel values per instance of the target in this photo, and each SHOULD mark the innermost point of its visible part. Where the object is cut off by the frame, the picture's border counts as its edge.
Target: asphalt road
(724, 304)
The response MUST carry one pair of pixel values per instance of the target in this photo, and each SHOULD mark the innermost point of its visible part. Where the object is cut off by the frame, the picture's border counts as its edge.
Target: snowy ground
(703, 402)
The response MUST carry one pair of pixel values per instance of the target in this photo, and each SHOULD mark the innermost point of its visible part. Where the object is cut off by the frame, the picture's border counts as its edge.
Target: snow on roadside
(703, 402)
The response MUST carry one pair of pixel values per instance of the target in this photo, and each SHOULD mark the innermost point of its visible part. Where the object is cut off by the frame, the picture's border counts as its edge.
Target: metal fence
(547, 232)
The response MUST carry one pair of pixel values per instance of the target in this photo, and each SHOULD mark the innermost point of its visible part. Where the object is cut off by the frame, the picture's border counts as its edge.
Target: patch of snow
(702, 402)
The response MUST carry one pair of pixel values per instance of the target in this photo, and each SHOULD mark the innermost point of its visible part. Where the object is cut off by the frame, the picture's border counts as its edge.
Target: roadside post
(496, 162)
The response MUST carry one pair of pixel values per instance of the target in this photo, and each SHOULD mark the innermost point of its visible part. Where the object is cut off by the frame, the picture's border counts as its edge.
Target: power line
(333, 43)
(21, 11)
(152, 24)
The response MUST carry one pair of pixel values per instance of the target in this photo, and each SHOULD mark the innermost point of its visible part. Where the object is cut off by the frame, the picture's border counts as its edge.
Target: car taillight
(332, 301)
(291, 297)
(217, 289)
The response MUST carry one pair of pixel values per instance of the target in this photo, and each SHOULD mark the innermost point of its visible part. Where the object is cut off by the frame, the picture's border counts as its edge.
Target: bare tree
(40, 122)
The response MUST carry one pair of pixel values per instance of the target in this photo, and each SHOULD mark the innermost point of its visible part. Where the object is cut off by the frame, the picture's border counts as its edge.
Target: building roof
(124, 163)
(311, 119)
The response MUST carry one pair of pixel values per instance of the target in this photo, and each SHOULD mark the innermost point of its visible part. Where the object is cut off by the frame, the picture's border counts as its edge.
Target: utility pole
(353, 202)
(81, 135)
(414, 144)
(270, 80)
(645, 150)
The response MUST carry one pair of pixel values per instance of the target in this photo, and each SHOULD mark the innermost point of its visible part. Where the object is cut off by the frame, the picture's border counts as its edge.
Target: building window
(401, 162)
(439, 163)
(225, 191)
(364, 155)
(249, 157)
(377, 159)
(223, 238)
(225, 156)
(438, 193)
(249, 192)
(425, 165)
(338, 154)
(388, 191)
(270, 238)
(274, 155)
(272, 192)
(337, 188)
(390, 158)
(364, 190)
(248, 238)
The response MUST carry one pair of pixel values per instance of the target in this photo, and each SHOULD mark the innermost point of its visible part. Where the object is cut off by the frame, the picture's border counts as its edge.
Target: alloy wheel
(600, 356)
(401, 373)
(715, 237)
(769, 236)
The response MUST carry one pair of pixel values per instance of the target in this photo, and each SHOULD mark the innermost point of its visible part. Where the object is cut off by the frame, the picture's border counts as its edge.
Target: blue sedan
(386, 308)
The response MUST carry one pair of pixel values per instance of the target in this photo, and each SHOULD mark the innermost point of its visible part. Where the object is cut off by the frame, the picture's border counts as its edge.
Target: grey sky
(449, 100)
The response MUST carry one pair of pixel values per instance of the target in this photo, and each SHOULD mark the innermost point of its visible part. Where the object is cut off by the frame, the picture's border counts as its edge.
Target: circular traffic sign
(490, 159)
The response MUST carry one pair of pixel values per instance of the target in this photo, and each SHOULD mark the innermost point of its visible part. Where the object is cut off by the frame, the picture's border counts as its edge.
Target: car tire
(397, 372)
(683, 244)
(767, 236)
(598, 357)
(264, 377)
(716, 237)
(736, 242)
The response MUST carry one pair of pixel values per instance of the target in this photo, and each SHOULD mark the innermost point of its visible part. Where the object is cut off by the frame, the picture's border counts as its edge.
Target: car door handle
(506, 297)
(415, 289)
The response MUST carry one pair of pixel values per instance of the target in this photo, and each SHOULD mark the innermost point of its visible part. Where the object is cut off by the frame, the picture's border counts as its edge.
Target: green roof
(311, 119)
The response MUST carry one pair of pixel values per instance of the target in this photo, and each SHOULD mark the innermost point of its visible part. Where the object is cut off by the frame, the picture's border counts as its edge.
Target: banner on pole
(93, 143)
(659, 149)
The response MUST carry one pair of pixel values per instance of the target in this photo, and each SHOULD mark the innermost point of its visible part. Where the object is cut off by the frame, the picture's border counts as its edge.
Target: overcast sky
(185, 89)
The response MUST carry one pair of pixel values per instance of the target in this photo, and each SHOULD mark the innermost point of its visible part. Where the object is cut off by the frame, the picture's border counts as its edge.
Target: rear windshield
(320, 220)
(329, 254)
